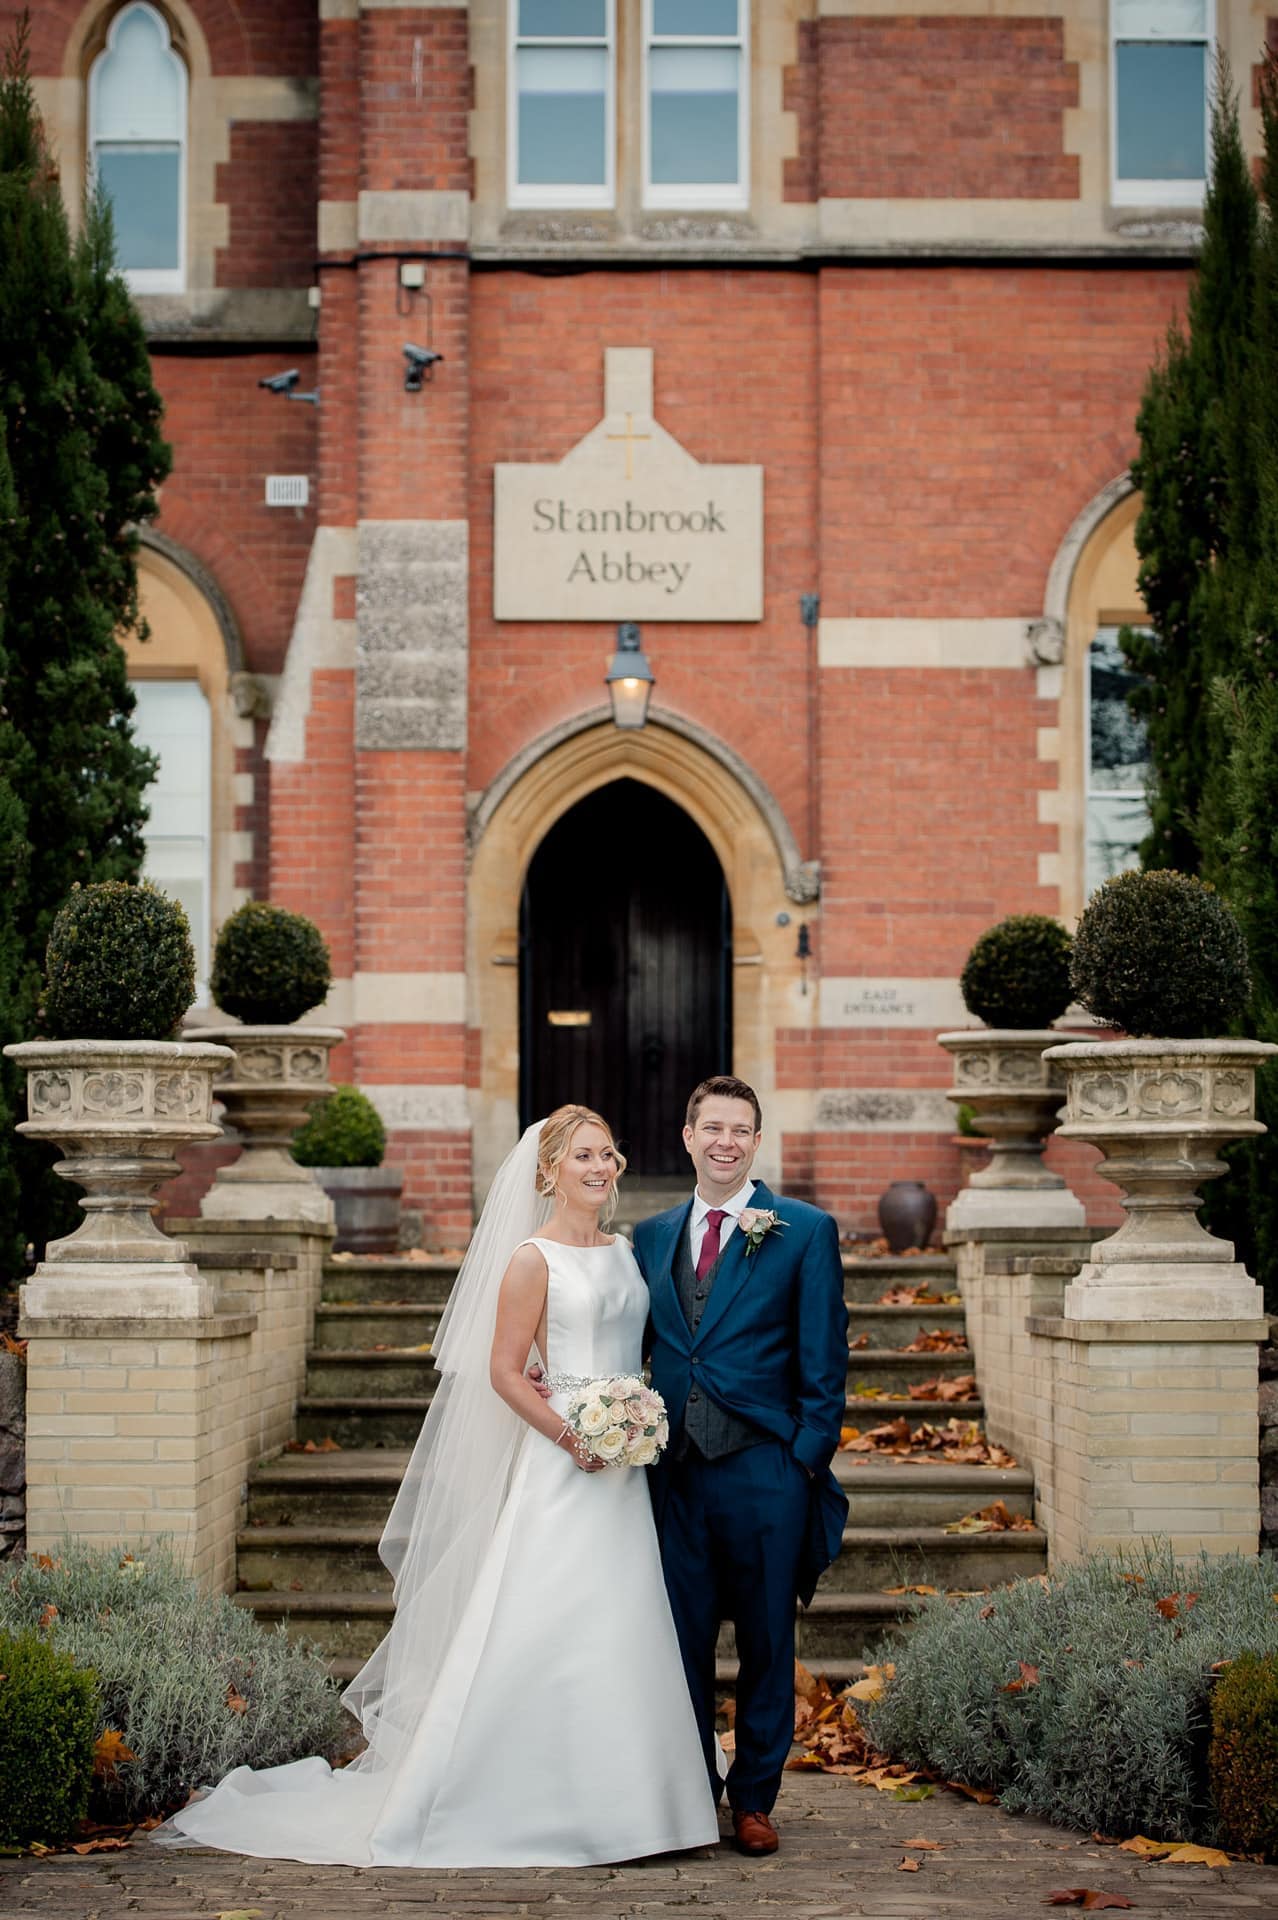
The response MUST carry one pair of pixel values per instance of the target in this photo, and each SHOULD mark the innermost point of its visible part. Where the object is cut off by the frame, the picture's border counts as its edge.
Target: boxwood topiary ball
(269, 966)
(1017, 974)
(119, 965)
(346, 1131)
(1161, 955)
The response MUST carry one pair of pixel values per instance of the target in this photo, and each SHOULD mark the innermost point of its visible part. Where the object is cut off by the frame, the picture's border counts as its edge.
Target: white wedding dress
(557, 1730)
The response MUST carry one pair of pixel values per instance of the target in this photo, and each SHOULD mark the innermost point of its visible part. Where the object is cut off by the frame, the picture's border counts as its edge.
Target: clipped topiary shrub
(1084, 1700)
(346, 1131)
(47, 1715)
(189, 1680)
(119, 964)
(269, 966)
(1244, 1754)
(1161, 955)
(1017, 974)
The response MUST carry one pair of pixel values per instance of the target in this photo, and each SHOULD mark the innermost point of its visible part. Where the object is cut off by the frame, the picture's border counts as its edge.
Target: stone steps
(344, 1373)
(371, 1325)
(308, 1553)
(364, 1422)
(356, 1489)
(427, 1279)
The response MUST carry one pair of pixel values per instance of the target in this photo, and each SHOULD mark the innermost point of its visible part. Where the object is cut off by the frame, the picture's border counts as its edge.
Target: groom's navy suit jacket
(772, 1347)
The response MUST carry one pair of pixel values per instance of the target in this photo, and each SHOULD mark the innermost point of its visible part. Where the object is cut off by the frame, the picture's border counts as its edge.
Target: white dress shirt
(734, 1208)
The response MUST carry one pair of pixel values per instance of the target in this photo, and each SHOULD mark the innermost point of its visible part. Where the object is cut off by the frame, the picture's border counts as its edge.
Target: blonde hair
(553, 1143)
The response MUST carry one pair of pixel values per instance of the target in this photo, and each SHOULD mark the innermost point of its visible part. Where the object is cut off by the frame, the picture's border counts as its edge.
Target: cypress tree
(1195, 502)
(1245, 711)
(79, 418)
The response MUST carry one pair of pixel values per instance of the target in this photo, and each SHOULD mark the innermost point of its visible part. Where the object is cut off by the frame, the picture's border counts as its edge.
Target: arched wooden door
(625, 955)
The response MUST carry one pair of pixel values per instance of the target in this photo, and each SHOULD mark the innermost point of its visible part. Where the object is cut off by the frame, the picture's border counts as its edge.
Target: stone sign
(628, 526)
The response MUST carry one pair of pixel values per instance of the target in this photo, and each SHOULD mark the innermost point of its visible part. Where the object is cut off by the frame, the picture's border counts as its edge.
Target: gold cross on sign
(631, 439)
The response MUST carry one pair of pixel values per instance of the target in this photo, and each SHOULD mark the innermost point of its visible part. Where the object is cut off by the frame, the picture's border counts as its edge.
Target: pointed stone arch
(742, 823)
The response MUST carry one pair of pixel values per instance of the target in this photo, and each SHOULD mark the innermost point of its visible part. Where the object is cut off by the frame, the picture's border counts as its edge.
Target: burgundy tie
(710, 1243)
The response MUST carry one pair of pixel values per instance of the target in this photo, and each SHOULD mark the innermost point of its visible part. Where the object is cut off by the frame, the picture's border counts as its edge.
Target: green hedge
(46, 1741)
(1244, 1754)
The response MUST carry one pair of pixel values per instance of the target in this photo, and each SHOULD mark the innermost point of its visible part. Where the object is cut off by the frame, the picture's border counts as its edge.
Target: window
(561, 136)
(172, 719)
(695, 103)
(1117, 764)
(137, 139)
(1160, 100)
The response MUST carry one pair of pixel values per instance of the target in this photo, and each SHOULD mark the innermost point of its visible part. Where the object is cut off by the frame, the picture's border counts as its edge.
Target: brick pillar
(412, 602)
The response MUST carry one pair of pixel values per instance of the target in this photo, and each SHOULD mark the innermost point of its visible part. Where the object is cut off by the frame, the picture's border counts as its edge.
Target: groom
(748, 1340)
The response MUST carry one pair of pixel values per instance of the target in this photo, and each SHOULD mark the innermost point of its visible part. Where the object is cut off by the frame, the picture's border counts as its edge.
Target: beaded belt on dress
(569, 1382)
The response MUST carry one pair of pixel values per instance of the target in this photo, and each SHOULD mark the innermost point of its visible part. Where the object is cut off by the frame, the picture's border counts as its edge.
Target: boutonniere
(756, 1223)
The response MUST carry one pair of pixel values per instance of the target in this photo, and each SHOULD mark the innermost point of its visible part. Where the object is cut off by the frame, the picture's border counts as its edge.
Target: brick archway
(745, 839)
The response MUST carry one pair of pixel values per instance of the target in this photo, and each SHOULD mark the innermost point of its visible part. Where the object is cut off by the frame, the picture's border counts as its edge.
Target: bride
(528, 1706)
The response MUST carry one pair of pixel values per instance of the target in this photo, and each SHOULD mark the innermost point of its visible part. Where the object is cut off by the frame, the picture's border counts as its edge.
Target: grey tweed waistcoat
(707, 1426)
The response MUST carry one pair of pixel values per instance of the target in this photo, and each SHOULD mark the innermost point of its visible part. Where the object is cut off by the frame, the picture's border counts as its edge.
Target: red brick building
(823, 325)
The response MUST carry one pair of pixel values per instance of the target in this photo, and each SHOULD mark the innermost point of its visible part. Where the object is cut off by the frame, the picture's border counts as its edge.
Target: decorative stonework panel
(412, 635)
(1169, 1095)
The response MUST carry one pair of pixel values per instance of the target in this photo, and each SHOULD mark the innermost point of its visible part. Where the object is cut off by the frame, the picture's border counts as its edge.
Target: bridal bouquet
(620, 1421)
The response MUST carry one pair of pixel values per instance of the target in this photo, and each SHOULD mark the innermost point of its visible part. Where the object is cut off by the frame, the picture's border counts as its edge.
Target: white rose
(593, 1417)
(611, 1444)
(662, 1436)
(625, 1386)
(643, 1453)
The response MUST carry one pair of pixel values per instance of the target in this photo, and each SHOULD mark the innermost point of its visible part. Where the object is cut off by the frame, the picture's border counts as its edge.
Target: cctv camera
(420, 361)
(281, 382)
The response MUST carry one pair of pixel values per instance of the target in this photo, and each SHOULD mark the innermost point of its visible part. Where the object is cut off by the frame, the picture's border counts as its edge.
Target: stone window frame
(201, 642)
(692, 197)
(1156, 193)
(1092, 584)
(587, 197)
(146, 279)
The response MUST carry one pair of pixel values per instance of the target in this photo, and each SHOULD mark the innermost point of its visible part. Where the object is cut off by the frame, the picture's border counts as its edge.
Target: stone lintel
(213, 1326)
(1148, 1332)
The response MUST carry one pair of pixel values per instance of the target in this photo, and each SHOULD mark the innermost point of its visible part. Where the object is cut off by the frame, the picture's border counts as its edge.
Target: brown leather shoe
(754, 1833)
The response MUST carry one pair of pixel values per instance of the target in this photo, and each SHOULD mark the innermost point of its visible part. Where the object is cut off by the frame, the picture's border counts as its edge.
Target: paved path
(840, 1847)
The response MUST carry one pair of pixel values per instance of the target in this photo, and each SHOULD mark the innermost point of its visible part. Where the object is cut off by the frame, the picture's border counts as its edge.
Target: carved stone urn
(117, 1110)
(278, 1074)
(1160, 1111)
(1004, 1074)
